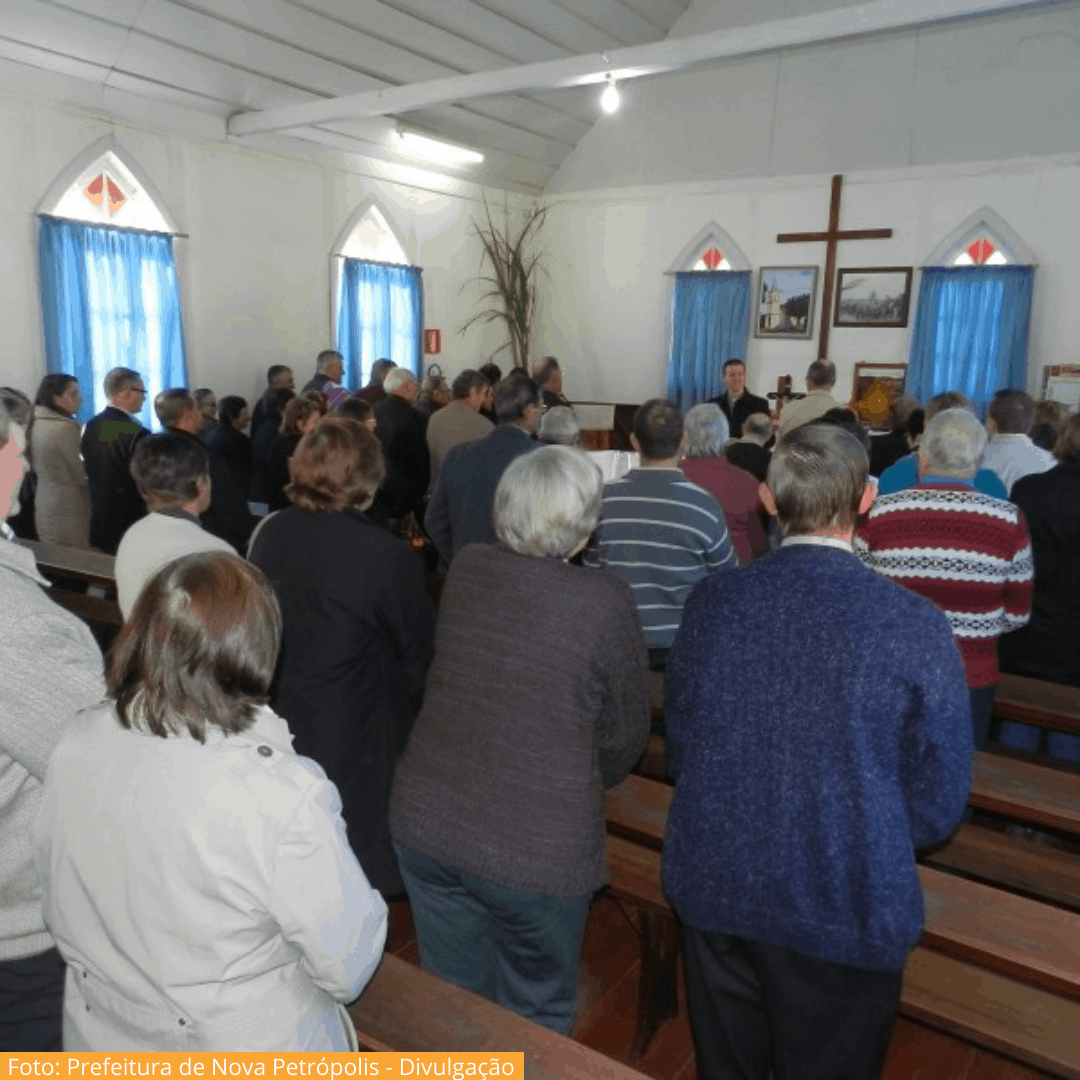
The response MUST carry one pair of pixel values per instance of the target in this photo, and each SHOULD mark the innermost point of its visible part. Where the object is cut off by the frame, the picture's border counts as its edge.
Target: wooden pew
(1030, 1025)
(1024, 939)
(1019, 790)
(79, 564)
(637, 809)
(63, 565)
(1025, 792)
(407, 1009)
(997, 970)
(1011, 863)
(1033, 701)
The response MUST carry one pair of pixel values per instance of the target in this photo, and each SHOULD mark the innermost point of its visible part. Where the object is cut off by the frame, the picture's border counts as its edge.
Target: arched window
(974, 312)
(983, 239)
(109, 292)
(377, 296)
(710, 250)
(710, 310)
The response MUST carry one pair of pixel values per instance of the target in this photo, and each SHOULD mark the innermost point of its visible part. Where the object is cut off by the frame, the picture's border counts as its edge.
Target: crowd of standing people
(289, 739)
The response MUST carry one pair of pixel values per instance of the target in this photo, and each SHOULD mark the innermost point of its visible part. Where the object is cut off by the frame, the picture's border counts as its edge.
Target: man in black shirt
(736, 402)
(279, 375)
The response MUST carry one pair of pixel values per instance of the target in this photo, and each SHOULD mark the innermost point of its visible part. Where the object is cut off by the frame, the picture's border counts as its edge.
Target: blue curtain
(380, 315)
(971, 331)
(110, 299)
(710, 315)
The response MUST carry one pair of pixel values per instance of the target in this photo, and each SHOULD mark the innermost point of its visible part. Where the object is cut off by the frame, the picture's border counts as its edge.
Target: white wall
(927, 127)
(607, 312)
(254, 269)
(994, 88)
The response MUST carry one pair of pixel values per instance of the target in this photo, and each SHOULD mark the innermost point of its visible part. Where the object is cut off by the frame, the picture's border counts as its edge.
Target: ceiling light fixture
(609, 99)
(441, 153)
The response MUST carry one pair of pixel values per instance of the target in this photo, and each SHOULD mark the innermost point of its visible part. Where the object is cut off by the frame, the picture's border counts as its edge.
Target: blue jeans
(1026, 737)
(517, 948)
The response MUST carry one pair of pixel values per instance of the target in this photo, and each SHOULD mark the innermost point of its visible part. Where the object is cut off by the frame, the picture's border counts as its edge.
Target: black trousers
(982, 709)
(753, 1006)
(32, 1002)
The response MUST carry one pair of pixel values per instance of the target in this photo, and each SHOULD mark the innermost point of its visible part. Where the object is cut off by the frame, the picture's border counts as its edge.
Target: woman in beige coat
(62, 508)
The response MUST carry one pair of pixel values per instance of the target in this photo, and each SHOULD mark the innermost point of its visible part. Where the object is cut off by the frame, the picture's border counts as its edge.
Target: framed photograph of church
(786, 297)
(873, 297)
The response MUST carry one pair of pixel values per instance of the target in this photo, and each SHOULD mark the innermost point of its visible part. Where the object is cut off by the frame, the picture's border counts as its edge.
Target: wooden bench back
(407, 1009)
(63, 564)
(1033, 701)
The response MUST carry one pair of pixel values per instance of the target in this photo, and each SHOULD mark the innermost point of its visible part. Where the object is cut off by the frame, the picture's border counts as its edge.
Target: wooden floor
(608, 994)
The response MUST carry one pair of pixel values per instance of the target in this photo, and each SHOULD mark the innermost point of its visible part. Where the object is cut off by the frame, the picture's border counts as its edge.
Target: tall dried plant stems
(510, 294)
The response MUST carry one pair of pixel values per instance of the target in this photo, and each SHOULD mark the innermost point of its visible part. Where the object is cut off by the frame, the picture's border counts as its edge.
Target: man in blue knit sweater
(790, 852)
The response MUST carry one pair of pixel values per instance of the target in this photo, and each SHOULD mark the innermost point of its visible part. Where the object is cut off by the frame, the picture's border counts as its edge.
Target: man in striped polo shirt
(968, 552)
(659, 530)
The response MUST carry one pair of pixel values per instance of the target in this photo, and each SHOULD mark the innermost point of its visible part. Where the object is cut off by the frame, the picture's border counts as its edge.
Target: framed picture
(873, 390)
(1061, 382)
(873, 297)
(786, 296)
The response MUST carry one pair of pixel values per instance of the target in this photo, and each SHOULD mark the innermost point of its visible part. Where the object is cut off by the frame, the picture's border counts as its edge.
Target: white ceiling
(221, 57)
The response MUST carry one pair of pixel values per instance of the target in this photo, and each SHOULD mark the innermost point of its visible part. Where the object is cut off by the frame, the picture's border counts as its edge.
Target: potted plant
(510, 267)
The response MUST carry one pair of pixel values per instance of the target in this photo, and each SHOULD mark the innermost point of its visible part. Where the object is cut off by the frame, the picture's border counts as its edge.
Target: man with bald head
(402, 430)
(820, 379)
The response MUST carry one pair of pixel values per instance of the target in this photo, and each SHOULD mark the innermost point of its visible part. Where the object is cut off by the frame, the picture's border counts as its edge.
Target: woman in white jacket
(196, 873)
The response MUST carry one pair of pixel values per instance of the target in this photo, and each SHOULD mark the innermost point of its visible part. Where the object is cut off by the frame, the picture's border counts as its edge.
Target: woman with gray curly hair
(736, 490)
(497, 808)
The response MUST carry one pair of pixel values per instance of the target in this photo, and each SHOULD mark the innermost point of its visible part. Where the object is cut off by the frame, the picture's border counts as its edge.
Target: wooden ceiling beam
(672, 54)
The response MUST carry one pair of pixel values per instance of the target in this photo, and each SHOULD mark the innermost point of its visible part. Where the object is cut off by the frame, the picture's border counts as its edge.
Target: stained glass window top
(373, 239)
(712, 259)
(981, 252)
(107, 193)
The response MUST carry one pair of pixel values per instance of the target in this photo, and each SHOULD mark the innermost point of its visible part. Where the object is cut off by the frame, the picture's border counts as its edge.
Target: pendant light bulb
(609, 99)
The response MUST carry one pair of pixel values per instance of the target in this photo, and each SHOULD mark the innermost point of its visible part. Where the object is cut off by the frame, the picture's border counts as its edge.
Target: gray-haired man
(108, 443)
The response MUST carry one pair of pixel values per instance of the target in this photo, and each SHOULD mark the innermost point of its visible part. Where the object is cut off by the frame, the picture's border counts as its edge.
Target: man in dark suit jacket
(736, 402)
(460, 509)
(1049, 646)
(548, 376)
(329, 371)
(108, 443)
(228, 515)
(402, 430)
(276, 375)
(374, 391)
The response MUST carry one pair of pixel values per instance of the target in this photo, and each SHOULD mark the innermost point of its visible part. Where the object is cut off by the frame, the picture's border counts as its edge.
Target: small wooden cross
(831, 238)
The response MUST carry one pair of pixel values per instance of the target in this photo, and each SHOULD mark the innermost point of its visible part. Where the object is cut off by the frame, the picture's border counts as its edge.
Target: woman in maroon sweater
(736, 490)
(497, 806)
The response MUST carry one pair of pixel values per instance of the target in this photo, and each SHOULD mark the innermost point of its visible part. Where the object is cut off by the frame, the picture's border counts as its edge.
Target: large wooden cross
(831, 237)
